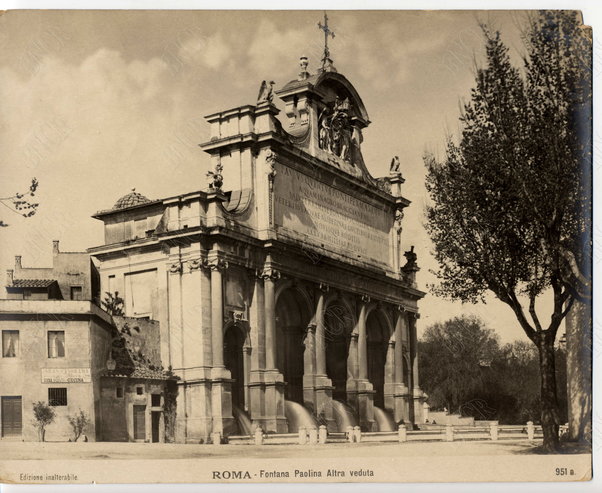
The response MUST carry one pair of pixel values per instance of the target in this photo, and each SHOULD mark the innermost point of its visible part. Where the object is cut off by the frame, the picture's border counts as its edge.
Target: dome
(130, 200)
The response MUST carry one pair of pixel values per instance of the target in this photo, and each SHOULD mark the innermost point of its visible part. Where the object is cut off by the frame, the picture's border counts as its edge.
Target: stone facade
(280, 282)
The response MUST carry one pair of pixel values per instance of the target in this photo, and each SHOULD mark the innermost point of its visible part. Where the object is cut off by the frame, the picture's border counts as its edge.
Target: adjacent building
(60, 348)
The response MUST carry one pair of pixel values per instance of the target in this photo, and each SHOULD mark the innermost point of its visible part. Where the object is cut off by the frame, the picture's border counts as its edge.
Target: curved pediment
(332, 85)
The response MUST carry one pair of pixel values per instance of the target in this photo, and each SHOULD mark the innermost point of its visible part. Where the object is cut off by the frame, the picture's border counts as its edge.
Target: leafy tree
(79, 422)
(501, 214)
(43, 415)
(113, 304)
(20, 203)
(455, 359)
(559, 89)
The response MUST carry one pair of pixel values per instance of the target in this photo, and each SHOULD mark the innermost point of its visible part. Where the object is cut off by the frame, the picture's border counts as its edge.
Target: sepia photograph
(296, 246)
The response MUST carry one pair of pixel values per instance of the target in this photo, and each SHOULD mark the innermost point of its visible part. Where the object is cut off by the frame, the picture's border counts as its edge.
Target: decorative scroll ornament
(270, 159)
(216, 179)
(399, 215)
(336, 130)
(365, 298)
(175, 267)
(384, 184)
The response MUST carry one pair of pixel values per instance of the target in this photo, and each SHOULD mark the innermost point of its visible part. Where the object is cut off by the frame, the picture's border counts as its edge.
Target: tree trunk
(579, 371)
(549, 403)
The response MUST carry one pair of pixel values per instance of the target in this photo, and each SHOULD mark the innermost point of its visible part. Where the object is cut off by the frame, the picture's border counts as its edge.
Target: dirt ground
(110, 450)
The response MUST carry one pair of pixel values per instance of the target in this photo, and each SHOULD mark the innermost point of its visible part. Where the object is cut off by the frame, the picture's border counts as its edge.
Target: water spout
(245, 427)
(384, 421)
(343, 415)
(298, 416)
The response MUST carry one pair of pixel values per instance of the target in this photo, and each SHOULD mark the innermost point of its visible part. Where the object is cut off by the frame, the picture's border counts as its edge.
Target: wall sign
(66, 375)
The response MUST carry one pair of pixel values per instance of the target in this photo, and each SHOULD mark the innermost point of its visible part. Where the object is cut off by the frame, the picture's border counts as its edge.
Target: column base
(266, 388)
(365, 398)
(193, 419)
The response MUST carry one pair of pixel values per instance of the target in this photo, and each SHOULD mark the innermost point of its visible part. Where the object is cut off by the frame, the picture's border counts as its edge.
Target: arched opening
(378, 338)
(338, 325)
(292, 318)
(234, 340)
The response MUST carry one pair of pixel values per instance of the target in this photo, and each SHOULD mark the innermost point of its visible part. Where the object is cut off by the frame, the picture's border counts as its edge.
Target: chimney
(17, 262)
(55, 247)
(9, 277)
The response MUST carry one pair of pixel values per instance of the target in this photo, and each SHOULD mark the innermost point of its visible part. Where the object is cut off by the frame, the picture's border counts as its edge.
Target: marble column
(322, 384)
(401, 390)
(362, 342)
(320, 332)
(221, 387)
(272, 381)
(365, 391)
(217, 311)
(270, 276)
(416, 394)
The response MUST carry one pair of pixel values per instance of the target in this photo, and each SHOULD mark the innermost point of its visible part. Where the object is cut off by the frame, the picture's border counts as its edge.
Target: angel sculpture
(395, 165)
(266, 92)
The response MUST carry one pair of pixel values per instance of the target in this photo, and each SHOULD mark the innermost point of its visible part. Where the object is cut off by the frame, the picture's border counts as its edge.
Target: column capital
(324, 287)
(365, 298)
(213, 262)
(269, 273)
(400, 308)
(414, 315)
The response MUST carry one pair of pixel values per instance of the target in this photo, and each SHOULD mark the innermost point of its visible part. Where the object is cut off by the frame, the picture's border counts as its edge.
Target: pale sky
(96, 103)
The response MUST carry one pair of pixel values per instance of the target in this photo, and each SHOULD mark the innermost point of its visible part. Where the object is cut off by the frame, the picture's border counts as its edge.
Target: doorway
(12, 416)
(234, 340)
(155, 420)
(139, 422)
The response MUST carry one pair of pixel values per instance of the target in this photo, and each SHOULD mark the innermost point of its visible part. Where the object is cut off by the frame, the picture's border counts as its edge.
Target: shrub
(43, 416)
(79, 422)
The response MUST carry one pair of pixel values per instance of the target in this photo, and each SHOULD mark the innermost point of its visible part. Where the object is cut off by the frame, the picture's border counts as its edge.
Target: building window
(57, 396)
(139, 390)
(119, 392)
(10, 343)
(155, 400)
(76, 293)
(26, 294)
(56, 344)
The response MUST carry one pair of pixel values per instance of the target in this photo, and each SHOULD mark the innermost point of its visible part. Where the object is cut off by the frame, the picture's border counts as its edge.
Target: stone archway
(338, 326)
(378, 334)
(292, 318)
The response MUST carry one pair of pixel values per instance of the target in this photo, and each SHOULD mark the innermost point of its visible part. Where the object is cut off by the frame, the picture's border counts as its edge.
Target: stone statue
(216, 179)
(266, 92)
(335, 129)
(395, 165)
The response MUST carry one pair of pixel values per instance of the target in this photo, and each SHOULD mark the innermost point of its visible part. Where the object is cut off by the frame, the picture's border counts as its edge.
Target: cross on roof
(327, 32)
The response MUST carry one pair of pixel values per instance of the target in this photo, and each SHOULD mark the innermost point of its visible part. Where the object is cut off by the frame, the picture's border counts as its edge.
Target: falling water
(245, 426)
(343, 414)
(384, 421)
(297, 416)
